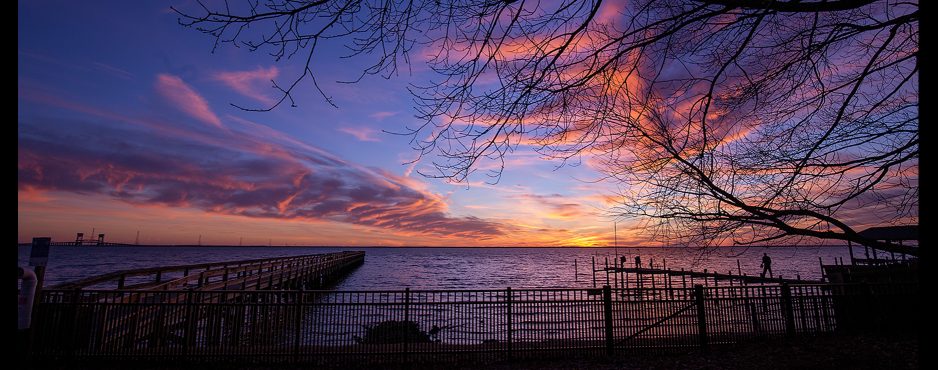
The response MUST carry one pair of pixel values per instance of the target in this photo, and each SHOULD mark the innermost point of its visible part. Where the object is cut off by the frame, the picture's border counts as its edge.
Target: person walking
(766, 264)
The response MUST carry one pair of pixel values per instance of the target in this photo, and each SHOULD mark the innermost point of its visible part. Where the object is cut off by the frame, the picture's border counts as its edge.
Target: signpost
(38, 258)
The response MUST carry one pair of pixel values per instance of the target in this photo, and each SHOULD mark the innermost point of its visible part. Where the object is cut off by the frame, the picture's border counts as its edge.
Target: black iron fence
(417, 325)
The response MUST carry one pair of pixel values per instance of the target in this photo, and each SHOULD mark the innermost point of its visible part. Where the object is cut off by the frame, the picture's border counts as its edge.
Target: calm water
(446, 268)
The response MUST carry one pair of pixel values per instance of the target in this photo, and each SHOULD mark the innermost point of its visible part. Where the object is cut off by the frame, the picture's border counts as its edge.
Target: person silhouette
(638, 262)
(766, 264)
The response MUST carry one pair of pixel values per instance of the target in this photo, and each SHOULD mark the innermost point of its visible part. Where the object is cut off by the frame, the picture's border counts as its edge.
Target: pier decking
(260, 274)
(149, 305)
(621, 276)
(715, 276)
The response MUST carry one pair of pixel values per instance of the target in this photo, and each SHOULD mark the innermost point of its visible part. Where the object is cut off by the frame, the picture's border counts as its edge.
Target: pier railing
(246, 274)
(324, 327)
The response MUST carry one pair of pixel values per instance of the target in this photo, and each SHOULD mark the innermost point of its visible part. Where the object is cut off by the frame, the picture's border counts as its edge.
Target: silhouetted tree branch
(724, 120)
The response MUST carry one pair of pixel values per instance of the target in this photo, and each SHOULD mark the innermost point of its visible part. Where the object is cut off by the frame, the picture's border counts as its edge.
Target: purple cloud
(243, 169)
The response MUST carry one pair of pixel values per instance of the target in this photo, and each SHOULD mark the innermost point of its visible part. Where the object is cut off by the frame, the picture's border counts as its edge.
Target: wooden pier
(620, 276)
(294, 272)
(153, 305)
(745, 279)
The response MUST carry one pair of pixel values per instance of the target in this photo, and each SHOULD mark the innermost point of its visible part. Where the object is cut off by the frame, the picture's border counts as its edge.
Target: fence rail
(323, 327)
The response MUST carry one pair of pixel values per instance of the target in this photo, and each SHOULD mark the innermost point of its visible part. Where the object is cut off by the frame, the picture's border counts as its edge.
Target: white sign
(39, 255)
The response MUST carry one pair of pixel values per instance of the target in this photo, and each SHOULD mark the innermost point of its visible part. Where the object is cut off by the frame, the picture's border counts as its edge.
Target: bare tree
(748, 121)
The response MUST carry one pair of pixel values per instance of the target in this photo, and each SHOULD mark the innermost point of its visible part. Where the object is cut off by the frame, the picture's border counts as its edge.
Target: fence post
(787, 310)
(701, 317)
(866, 309)
(299, 326)
(607, 312)
(508, 297)
(190, 322)
(594, 271)
(73, 335)
(406, 323)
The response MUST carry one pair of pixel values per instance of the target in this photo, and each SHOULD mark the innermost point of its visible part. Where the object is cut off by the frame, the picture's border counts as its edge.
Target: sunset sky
(125, 124)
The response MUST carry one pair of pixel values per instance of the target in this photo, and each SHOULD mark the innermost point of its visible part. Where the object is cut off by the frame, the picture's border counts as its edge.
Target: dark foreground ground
(845, 352)
(804, 353)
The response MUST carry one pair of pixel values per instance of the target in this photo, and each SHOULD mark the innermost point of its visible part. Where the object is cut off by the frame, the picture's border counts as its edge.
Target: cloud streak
(362, 133)
(113, 71)
(248, 83)
(380, 116)
(243, 169)
(557, 205)
(184, 98)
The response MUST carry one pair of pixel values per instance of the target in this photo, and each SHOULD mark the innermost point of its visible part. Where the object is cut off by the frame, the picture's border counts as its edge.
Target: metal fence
(322, 327)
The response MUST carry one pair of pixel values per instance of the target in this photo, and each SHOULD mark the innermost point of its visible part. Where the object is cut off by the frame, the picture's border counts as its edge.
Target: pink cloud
(410, 168)
(611, 12)
(247, 82)
(262, 177)
(558, 206)
(361, 133)
(187, 100)
(382, 115)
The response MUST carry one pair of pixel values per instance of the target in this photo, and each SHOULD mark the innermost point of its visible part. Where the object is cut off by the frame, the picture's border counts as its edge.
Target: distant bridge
(89, 243)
